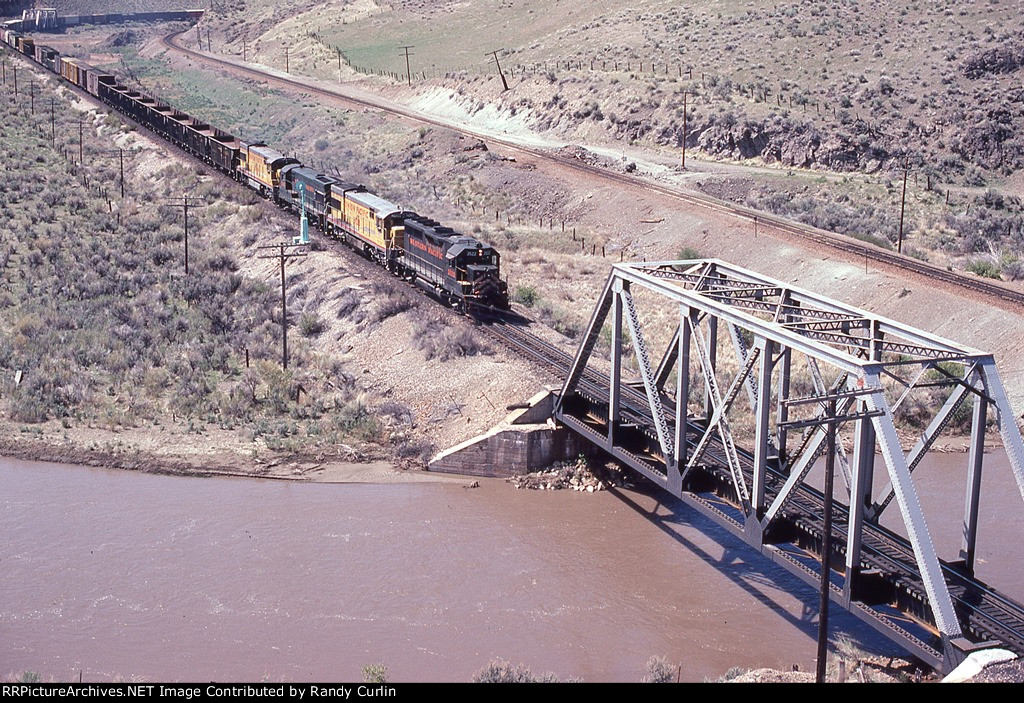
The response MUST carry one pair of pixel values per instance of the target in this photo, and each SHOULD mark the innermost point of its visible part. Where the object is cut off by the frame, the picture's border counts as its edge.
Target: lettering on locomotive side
(429, 248)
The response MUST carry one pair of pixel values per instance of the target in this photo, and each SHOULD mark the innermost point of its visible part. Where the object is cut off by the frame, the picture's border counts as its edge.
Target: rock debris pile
(575, 475)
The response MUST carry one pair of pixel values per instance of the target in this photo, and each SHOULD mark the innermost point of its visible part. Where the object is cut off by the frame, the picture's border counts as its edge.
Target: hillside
(805, 88)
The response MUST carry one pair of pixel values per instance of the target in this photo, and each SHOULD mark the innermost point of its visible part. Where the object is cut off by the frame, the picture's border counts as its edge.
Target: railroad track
(856, 250)
(985, 613)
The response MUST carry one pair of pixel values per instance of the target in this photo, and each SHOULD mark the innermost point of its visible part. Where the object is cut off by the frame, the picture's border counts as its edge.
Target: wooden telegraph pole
(831, 421)
(682, 155)
(186, 203)
(408, 70)
(903, 203)
(283, 253)
(500, 72)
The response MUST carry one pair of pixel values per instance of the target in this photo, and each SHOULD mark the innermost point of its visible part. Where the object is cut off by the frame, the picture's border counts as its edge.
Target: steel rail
(1008, 297)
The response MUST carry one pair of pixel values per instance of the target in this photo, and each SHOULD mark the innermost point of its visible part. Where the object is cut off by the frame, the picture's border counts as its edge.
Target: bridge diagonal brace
(810, 451)
(719, 421)
(665, 438)
(587, 344)
(740, 346)
(819, 387)
(913, 518)
(668, 360)
(923, 444)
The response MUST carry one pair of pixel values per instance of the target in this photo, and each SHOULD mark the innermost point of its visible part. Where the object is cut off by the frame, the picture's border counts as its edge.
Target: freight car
(460, 270)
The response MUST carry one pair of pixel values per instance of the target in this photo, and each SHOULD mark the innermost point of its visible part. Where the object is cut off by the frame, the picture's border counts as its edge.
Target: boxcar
(69, 69)
(95, 79)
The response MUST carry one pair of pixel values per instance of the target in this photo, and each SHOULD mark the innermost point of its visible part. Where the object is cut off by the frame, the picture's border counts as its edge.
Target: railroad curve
(1005, 296)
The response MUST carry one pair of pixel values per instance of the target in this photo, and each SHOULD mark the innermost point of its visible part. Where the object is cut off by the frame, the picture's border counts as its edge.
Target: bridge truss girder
(770, 328)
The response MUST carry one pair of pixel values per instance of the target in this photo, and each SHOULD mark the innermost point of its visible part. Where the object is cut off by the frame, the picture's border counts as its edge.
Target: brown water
(166, 578)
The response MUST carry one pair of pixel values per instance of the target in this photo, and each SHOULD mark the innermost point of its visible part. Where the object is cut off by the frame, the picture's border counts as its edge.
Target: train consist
(462, 271)
(48, 19)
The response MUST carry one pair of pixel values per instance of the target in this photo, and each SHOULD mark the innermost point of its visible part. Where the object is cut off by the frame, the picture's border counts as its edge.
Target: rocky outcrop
(1000, 59)
(796, 144)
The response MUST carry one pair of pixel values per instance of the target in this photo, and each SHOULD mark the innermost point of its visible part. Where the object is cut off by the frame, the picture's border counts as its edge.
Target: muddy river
(147, 577)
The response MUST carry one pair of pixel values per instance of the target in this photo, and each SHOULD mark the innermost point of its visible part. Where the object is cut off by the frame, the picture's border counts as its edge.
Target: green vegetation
(527, 295)
(100, 326)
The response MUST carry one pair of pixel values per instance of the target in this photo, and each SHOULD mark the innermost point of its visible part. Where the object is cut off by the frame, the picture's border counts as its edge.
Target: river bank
(207, 453)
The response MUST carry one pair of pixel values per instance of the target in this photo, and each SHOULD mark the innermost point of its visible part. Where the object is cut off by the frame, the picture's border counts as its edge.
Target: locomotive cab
(477, 271)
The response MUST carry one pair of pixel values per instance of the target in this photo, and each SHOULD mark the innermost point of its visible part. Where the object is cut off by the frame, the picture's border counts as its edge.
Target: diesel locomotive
(460, 270)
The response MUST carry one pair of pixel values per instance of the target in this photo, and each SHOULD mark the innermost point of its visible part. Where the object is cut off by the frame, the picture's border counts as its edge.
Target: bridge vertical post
(860, 499)
(785, 366)
(682, 401)
(712, 354)
(761, 433)
(615, 377)
(1008, 430)
(974, 463)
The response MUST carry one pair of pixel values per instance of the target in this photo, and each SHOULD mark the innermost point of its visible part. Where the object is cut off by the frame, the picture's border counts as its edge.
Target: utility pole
(408, 71)
(15, 80)
(682, 155)
(831, 421)
(120, 158)
(339, 63)
(186, 203)
(243, 50)
(209, 44)
(500, 72)
(284, 252)
(32, 93)
(81, 152)
(53, 124)
(286, 69)
(903, 203)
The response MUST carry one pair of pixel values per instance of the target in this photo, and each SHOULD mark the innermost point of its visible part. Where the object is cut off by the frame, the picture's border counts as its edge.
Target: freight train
(460, 270)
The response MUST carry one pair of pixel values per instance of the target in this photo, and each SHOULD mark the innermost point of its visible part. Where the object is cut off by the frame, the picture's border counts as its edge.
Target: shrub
(375, 673)
(658, 670)
(440, 341)
(983, 268)
(527, 295)
(311, 325)
(498, 671)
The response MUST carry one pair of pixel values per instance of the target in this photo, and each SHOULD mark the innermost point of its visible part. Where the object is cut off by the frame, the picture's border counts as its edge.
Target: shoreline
(302, 468)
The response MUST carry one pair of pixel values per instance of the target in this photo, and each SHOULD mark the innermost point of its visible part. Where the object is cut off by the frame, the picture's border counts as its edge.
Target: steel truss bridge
(751, 356)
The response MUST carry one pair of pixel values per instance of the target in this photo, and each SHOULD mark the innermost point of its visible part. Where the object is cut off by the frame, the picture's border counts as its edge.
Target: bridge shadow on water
(753, 572)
